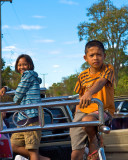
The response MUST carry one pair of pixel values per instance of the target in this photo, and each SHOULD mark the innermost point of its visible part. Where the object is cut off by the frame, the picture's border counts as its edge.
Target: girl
(27, 92)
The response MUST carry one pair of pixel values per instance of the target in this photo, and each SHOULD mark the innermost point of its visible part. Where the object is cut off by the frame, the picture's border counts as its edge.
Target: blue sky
(47, 31)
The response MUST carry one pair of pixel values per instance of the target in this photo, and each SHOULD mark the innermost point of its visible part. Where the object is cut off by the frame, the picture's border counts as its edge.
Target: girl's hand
(2, 91)
(3, 115)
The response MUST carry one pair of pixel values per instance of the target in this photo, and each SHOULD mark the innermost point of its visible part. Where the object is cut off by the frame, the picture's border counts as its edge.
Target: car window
(117, 104)
(58, 117)
(125, 107)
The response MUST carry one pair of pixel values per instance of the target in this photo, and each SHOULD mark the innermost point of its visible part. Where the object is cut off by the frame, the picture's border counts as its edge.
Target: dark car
(120, 120)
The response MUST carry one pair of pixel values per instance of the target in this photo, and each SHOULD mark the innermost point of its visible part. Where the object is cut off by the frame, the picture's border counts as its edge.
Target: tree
(109, 25)
(9, 77)
(66, 87)
(57, 89)
(84, 66)
(69, 83)
(122, 88)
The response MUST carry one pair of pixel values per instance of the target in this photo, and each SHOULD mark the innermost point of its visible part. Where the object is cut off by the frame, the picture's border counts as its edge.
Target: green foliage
(122, 87)
(109, 25)
(9, 77)
(66, 87)
(69, 84)
(84, 66)
(57, 89)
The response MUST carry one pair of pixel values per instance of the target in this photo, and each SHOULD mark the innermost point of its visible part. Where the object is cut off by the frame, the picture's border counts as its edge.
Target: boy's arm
(85, 100)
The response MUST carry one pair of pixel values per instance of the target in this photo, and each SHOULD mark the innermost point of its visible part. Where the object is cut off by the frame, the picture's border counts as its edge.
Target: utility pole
(1, 43)
(44, 74)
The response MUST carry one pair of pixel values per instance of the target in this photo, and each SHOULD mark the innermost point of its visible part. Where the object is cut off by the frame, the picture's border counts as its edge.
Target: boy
(95, 82)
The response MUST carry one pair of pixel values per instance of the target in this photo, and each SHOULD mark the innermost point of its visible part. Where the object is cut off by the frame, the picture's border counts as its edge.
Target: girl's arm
(4, 90)
(22, 88)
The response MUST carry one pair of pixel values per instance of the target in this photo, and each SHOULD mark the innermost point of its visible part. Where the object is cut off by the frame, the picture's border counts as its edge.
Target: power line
(19, 21)
(11, 51)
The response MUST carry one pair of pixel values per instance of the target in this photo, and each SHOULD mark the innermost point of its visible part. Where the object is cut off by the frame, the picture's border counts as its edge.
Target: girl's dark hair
(94, 43)
(28, 59)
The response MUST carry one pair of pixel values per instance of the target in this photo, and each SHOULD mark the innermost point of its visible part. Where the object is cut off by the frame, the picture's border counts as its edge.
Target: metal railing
(43, 126)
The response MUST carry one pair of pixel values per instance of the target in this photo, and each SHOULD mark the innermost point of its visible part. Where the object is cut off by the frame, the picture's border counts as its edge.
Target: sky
(47, 31)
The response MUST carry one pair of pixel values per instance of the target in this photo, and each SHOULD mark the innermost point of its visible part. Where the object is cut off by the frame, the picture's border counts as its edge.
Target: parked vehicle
(55, 142)
(120, 120)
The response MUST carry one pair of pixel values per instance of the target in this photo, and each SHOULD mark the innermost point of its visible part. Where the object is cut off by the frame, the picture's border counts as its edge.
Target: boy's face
(95, 57)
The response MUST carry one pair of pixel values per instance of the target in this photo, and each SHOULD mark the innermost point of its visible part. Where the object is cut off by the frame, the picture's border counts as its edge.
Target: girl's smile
(22, 65)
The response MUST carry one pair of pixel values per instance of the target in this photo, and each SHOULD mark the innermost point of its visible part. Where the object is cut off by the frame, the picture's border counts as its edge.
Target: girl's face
(22, 65)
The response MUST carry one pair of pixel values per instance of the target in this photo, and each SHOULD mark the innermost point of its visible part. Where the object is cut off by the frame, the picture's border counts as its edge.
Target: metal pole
(44, 74)
(1, 44)
(0, 51)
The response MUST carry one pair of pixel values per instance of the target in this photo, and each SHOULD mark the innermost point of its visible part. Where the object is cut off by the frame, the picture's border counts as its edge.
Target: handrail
(48, 99)
(12, 92)
(42, 126)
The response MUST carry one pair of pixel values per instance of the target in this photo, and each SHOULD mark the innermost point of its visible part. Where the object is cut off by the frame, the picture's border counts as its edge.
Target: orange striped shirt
(106, 94)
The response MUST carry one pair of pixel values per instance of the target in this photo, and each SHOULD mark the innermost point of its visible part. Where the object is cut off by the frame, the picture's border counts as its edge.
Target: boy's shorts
(29, 140)
(78, 135)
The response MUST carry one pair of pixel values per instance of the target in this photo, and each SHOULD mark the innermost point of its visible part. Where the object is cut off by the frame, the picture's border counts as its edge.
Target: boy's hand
(2, 91)
(85, 100)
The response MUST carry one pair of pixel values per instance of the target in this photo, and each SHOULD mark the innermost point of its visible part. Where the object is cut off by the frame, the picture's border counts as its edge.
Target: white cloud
(30, 27)
(5, 27)
(71, 42)
(56, 71)
(12, 52)
(8, 48)
(55, 52)
(56, 66)
(25, 27)
(69, 2)
(79, 55)
(45, 41)
(40, 17)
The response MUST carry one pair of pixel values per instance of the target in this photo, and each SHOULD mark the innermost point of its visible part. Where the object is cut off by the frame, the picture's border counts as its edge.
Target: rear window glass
(117, 104)
(124, 108)
(58, 116)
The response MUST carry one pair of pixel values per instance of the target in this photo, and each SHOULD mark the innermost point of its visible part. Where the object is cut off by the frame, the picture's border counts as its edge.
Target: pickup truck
(55, 120)
(55, 141)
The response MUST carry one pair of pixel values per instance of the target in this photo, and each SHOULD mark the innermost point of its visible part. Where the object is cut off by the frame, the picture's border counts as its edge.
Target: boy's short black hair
(28, 59)
(94, 43)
